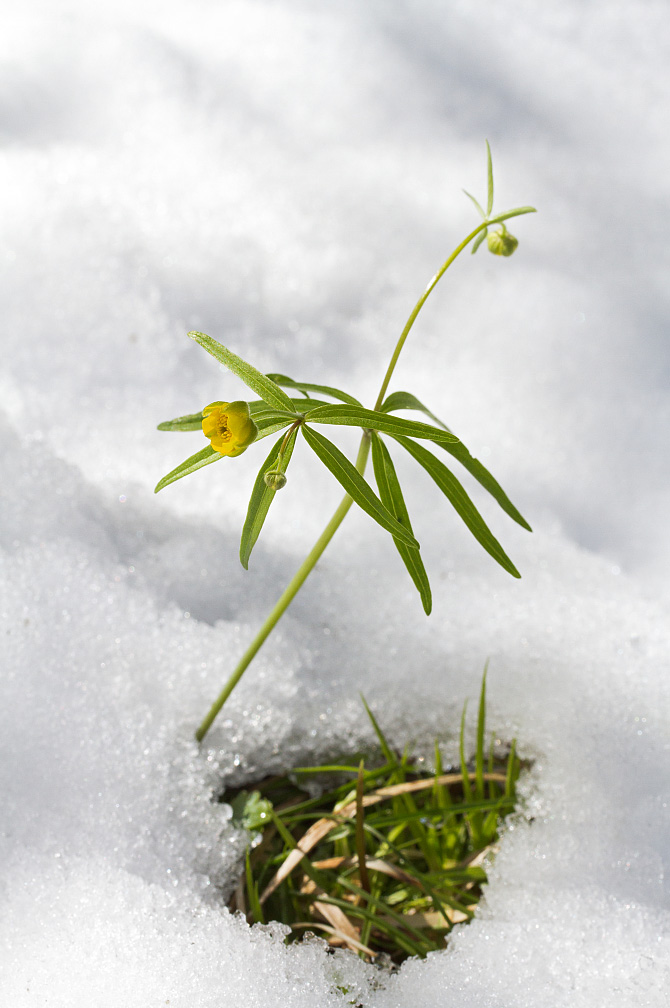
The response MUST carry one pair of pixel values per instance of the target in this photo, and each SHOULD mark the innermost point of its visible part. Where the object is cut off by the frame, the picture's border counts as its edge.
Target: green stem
(300, 576)
(285, 599)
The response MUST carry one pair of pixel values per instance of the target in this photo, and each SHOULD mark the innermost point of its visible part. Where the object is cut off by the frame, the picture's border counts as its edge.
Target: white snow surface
(286, 176)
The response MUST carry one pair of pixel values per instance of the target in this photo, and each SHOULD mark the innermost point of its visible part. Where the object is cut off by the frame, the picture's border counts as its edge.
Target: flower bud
(501, 242)
(274, 479)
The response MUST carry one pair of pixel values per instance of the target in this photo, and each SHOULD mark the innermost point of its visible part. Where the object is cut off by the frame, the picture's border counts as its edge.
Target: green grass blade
(391, 497)
(360, 831)
(385, 747)
(467, 788)
(489, 180)
(460, 501)
(407, 401)
(481, 731)
(190, 422)
(261, 499)
(307, 387)
(257, 382)
(354, 484)
(512, 772)
(197, 461)
(356, 416)
(252, 893)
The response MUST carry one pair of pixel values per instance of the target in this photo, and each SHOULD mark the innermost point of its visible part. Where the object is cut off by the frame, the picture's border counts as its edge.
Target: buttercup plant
(234, 427)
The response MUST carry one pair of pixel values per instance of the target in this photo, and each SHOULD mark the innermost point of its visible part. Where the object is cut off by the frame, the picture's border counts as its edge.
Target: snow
(286, 176)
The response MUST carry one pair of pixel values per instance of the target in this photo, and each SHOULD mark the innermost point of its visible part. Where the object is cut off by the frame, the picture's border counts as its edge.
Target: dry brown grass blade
(322, 827)
(342, 939)
(374, 864)
(335, 916)
(434, 919)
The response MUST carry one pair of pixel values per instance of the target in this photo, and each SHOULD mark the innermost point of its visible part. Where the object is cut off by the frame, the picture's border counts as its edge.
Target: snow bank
(286, 176)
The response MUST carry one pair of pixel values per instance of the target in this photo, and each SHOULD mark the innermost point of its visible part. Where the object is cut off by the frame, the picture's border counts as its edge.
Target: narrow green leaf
(354, 484)
(193, 421)
(259, 406)
(252, 893)
(489, 180)
(478, 240)
(512, 772)
(499, 218)
(459, 499)
(356, 416)
(485, 479)
(476, 203)
(261, 499)
(467, 789)
(391, 497)
(407, 401)
(190, 422)
(385, 747)
(307, 387)
(256, 381)
(197, 461)
(481, 730)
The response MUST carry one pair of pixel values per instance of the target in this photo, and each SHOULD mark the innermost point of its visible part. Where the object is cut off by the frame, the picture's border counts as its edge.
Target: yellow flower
(228, 426)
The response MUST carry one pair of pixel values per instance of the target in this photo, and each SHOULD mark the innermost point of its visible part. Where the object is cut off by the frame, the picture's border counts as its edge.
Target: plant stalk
(300, 576)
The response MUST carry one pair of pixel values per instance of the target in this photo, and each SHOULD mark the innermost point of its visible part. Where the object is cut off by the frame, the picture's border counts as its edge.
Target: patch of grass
(384, 863)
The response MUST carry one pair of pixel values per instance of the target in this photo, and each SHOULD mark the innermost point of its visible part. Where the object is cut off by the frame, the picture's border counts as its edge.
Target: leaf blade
(190, 422)
(357, 416)
(261, 499)
(487, 481)
(354, 484)
(391, 497)
(460, 501)
(517, 212)
(407, 401)
(251, 377)
(478, 240)
(477, 204)
(188, 466)
(283, 380)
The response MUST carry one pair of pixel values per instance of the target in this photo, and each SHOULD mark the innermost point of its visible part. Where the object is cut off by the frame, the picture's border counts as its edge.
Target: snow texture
(286, 176)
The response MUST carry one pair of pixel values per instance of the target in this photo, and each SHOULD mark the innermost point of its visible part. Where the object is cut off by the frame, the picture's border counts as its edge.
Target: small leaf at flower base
(262, 496)
(391, 497)
(309, 387)
(479, 239)
(461, 502)
(197, 461)
(348, 475)
(499, 218)
(191, 422)
(356, 416)
(476, 203)
(253, 378)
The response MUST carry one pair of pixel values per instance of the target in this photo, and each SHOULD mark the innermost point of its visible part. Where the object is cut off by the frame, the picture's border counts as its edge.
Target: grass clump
(384, 863)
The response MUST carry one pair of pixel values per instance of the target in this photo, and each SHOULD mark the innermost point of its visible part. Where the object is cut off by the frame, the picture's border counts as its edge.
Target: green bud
(274, 479)
(501, 242)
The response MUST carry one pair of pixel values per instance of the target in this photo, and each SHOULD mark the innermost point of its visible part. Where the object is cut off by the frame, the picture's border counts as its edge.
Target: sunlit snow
(286, 176)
